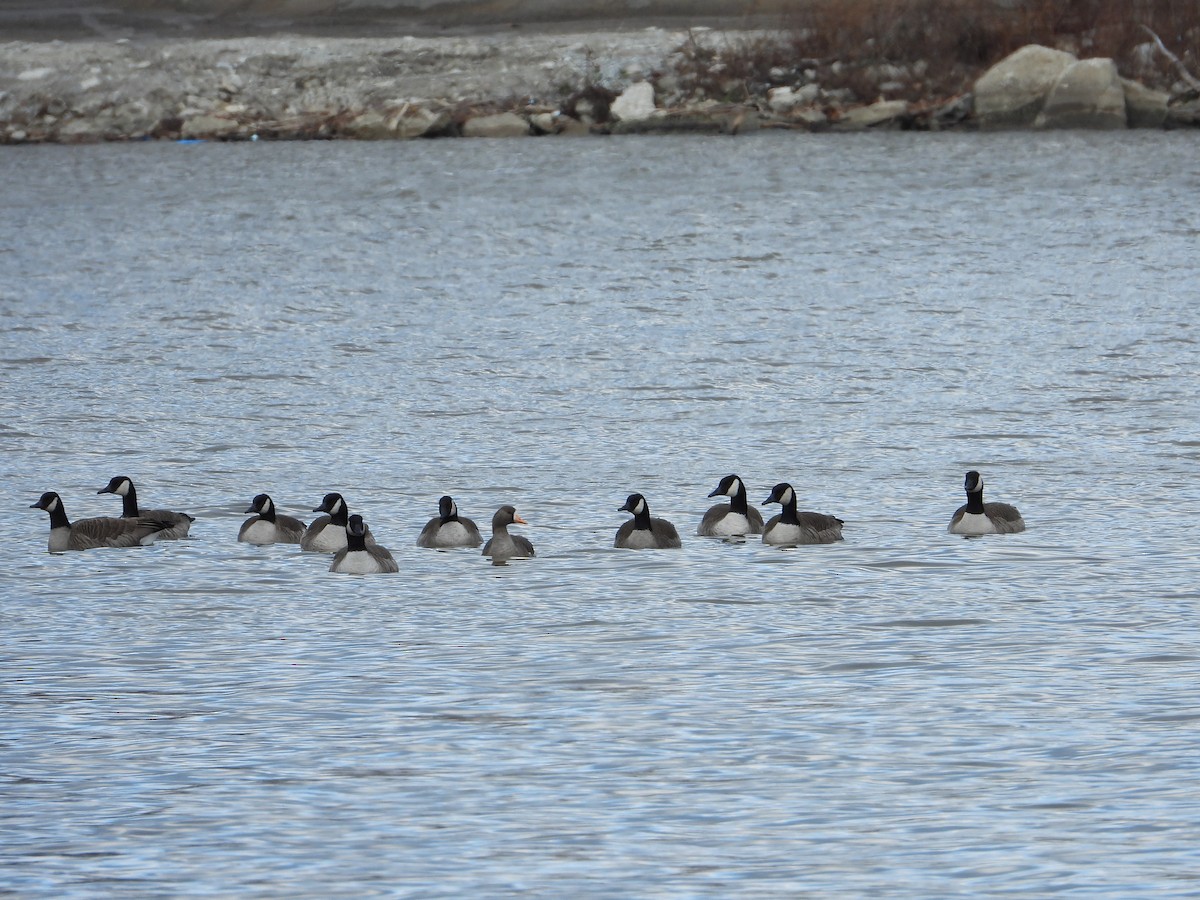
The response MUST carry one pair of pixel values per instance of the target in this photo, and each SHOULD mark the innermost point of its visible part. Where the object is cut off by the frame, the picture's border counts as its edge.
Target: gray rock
(1183, 115)
(813, 119)
(208, 126)
(1012, 93)
(505, 124)
(369, 125)
(1088, 94)
(412, 121)
(1144, 107)
(882, 114)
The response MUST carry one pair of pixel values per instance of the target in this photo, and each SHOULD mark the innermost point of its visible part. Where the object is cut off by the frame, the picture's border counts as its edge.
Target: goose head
(120, 485)
(330, 503)
(730, 486)
(782, 493)
(49, 501)
(634, 503)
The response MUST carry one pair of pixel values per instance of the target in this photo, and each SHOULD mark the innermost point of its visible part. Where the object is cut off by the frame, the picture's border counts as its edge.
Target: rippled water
(556, 324)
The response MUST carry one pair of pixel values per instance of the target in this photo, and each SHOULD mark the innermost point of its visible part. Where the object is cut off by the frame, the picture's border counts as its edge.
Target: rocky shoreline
(510, 83)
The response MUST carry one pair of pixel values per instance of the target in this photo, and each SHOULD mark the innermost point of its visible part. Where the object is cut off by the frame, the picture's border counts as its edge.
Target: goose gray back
(792, 527)
(975, 518)
(269, 527)
(327, 534)
(122, 486)
(733, 519)
(90, 534)
(643, 531)
(360, 558)
(502, 546)
(448, 529)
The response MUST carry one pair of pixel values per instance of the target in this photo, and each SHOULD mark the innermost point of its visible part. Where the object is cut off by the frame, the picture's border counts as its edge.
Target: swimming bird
(792, 527)
(976, 517)
(360, 558)
(733, 519)
(327, 534)
(502, 546)
(644, 532)
(123, 487)
(88, 534)
(449, 529)
(268, 527)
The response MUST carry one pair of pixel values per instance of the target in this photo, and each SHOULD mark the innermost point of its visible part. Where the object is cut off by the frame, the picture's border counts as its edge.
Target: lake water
(555, 324)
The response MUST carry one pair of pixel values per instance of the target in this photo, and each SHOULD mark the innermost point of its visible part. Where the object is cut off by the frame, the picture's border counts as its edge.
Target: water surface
(555, 324)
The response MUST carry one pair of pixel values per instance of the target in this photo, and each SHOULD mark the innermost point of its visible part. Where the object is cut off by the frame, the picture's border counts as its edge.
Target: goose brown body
(733, 519)
(327, 533)
(90, 534)
(976, 518)
(122, 485)
(643, 531)
(360, 558)
(448, 529)
(794, 526)
(502, 546)
(269, 527)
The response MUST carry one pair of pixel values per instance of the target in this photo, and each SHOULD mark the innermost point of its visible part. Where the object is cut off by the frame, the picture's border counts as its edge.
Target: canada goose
(123, 486)
(792, 527)
(268, 527)
(733, 519)
(502, 546)
(449, 529)
(360, 558)
(327, 534)
(87, 534)
(976, 517)
(643, 532)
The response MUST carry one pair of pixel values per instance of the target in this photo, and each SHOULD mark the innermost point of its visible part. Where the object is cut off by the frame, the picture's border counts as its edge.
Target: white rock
(782, 100)
(35, 74)
(1012, 92)
(873, 116)
(636, 102)
(1088, 94)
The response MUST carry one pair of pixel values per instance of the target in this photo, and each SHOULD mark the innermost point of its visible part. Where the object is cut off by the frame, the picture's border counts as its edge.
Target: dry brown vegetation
(925, 50)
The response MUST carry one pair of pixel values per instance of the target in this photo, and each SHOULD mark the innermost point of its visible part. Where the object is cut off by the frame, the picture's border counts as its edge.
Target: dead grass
(919, 50)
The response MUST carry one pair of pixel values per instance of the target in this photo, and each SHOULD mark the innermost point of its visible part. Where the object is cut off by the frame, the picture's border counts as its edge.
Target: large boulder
(1088, 94)
(414, 121)
(1144, 107)
(208, 126)
(884, 114)
(1012, 93)
(636, 102)
(505, 124)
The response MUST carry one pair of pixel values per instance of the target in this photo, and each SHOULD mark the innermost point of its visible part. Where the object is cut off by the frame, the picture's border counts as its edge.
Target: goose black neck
(788, 516)
(129, 507)
(737, 503)
(267, 514)
(58, 517)
(339, 515)
(975, 503)
(355, 541)
(641, 519)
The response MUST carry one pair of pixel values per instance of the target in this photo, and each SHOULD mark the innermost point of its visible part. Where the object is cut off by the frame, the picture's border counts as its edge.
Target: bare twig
(1192, 80)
